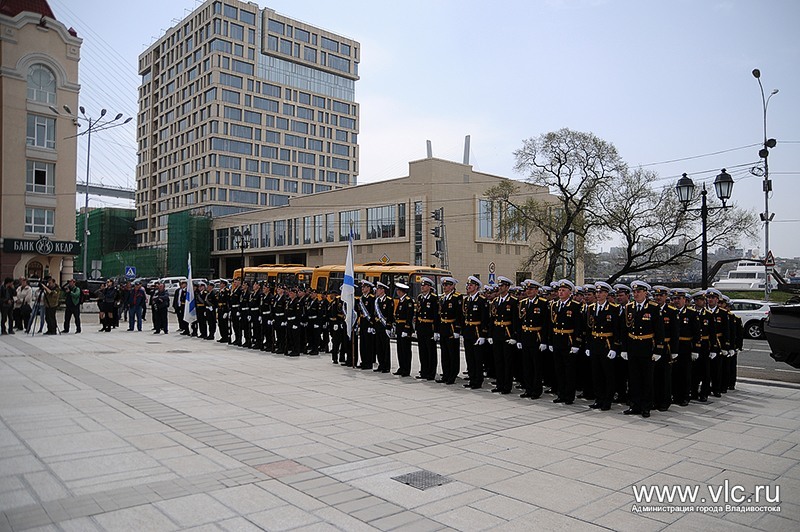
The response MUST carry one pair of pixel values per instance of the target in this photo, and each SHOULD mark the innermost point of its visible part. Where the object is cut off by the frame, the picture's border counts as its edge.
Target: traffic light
(438, 231)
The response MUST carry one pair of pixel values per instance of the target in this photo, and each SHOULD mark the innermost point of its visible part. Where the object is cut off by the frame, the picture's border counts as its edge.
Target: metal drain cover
(422, 479)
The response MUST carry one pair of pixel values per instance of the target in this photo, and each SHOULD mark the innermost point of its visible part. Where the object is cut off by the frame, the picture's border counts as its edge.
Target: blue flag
(349, 288)
(190, 311)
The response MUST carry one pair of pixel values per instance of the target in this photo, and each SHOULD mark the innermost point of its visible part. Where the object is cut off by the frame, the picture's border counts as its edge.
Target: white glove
(316, 326)
(695, 356)
(370, 330)
(735, 352)
(480, 341)
(573, 350)
(624, 355)
(249, 318)
(490, 340)
(588, 353)
(270, 322)
(511, 341)
(731, 352)
(335, 327)
(612, 354)
(712, 356)
(674, 356)
(404, 335)
(542, 347)
(519, 345)
(456, 336)
(550, 348)
(656, 358)
(294, 327)
(436, 337)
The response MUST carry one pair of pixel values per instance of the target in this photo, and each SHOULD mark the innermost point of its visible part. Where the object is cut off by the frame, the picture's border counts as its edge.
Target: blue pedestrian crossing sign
(130, 272)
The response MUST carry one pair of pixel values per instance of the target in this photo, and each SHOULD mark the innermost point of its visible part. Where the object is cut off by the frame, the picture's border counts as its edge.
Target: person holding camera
(72, 306)
(51, 294)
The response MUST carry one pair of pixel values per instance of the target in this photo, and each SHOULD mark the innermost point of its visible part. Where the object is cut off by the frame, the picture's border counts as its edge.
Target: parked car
(753, 314)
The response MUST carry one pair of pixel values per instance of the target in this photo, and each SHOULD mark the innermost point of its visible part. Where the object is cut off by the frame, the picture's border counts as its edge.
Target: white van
(171, 284)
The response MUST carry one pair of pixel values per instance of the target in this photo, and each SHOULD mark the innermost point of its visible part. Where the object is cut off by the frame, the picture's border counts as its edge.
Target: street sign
(491, 267)
(770, 262)
(491, 278)
(130, 272)
(385, 258)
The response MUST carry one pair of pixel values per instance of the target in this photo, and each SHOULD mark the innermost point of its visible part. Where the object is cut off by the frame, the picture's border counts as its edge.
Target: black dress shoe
(568, 402)
(377, 370)
(684, 403)
(505, 392)
(605, 408)
(450, 382)
(475, 386)
(524, 395)
(558, 400)
(396, 373)
(662, 409)
(440, 381)
(716, 394)
(419, 377)
(702, 399)
(594, 406)
(467, 385)
(385, 371)
(646, 414)
(631, 412)
(496, 390)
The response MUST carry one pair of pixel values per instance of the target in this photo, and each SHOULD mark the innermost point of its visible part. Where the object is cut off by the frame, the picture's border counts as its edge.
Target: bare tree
(599, 198)
(655, 230)
(574, 166)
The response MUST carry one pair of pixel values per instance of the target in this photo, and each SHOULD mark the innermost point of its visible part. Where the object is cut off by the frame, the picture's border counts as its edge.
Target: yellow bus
(332, 277)
(288, 274)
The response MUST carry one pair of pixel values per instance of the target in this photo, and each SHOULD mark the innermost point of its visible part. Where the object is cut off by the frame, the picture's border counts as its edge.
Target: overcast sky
(660, 80)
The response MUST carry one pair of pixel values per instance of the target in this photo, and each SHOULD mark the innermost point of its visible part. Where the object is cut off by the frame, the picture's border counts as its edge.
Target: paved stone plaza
(133, 431)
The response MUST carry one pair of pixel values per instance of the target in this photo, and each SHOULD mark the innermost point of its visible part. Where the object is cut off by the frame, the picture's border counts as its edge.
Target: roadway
(755, 362)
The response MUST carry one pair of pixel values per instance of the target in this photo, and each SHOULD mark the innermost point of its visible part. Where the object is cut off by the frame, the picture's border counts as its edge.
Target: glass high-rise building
(240, 108)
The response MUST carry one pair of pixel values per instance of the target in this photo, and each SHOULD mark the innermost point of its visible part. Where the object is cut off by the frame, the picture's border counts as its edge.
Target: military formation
(641, 347)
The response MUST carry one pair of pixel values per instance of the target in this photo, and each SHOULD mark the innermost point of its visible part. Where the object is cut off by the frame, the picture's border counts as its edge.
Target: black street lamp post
(95, 126)
(763, 153)
(723, 185)
(243, 241)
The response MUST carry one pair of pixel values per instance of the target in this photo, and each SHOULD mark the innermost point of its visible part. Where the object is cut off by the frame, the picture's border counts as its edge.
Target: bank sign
(42, 246)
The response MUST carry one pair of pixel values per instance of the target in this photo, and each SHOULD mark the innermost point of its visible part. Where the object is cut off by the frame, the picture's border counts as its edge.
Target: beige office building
(39, 73)
(391, 221)
(240, 108)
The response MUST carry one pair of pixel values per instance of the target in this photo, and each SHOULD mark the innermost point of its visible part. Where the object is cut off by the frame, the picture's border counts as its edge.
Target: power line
(700, 156)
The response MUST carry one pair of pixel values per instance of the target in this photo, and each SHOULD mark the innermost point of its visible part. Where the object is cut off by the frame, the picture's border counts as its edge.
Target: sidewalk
(133, 431)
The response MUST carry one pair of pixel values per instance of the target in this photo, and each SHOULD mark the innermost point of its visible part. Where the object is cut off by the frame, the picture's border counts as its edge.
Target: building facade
(241, 108)
(39, 74)
(391, 221)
